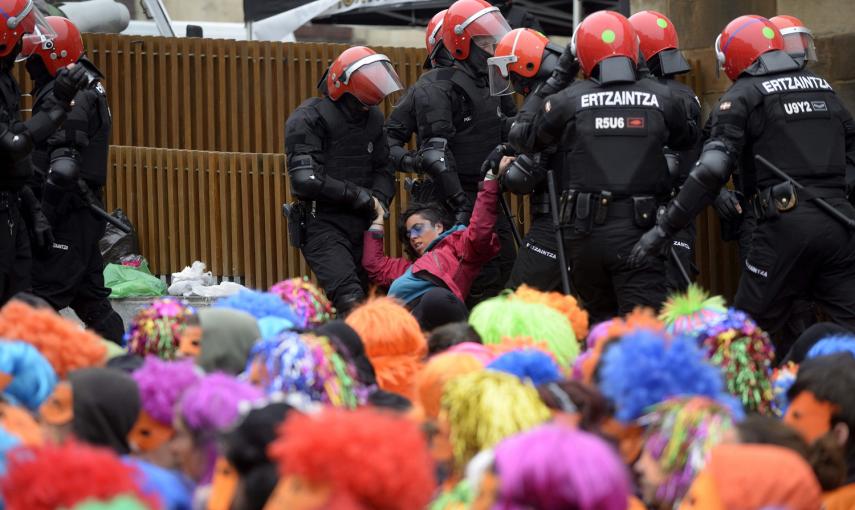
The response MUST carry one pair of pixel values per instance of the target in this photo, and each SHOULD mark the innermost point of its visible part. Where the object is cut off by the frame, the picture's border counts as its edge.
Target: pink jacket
(456, 259)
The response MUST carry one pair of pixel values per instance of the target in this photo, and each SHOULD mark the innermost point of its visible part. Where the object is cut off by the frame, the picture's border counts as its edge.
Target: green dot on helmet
(608, 36)
(662, 23)
(768, 33)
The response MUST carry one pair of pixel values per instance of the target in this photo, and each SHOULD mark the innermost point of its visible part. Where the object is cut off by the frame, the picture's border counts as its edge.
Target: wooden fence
(197, 157)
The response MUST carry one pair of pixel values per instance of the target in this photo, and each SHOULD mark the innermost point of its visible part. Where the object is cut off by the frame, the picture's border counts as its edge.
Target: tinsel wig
(831, 345)
(393, 342)
(483, 408)
(310, 305)
(436, 373)
(157, 328)
(60, 476)
(744, 354)
(308, 365)
(553, 467)
(646, 368)
(378, 459)
(32, 376)
(259, 305)
(162, 384)
(680, 435)
(568, 306)
(503, 316)
(690, 312)
(63, 343)
(528, 365)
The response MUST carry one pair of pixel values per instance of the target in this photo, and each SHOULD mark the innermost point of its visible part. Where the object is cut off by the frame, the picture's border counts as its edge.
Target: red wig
(380, 460)
(393, 342)
(60, 476)
(66, 345)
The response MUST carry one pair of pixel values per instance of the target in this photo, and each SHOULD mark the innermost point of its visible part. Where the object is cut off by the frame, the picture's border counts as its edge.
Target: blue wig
(532, 364)
(173, 490)
(259, 305)
(831, 345)
(8, 442)
(646, 368)
(33, 377)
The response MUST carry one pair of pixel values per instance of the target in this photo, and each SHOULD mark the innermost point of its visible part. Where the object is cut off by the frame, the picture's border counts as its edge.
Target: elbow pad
(304, 181)
(713, 167)
(433, 158)
(522, 175)
(19, 145)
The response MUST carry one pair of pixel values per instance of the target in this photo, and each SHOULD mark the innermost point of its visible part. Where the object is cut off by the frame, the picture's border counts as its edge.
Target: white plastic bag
(191, 276)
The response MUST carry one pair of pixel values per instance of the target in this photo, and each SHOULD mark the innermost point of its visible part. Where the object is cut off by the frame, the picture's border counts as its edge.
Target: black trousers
(537, 264)
(71, 273)
(15, 255)
(606, 284)
(684, 248)
(333, 250)
(802, 255)
(437, 307)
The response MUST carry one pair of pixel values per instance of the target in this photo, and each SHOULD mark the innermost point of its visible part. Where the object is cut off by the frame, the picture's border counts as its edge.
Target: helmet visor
(371, 80)
(38, 34)
(719, 56)
(500, 75)
(798, 42)
(486, 28)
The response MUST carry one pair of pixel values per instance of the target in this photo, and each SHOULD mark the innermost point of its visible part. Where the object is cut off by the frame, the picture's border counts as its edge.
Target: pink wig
(162, 384)
(553, 467)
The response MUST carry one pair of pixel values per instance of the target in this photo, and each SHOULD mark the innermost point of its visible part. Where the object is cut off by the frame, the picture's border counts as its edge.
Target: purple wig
(162, 384)
(553, 467)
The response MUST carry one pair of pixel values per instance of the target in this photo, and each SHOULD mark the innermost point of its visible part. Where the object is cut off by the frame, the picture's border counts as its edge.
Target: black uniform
(795, 120)
(337, 160)
(617, 177)
(71, 272)
(454, 104)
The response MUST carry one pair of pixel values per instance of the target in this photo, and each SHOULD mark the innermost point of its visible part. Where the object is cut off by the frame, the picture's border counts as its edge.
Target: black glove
(37, 223)
(491, 164)
(69, 81)
(651, 243)
(727, 205)
(563, 75)
(360, 200)
(459, 203)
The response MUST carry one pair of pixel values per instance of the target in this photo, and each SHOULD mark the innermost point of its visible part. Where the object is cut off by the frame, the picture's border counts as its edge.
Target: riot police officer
(660, 45)
(614, 127)
(338, 164)
(793, 119)
(460, 123)
(20, 210)
(524, 59)
(71, 273)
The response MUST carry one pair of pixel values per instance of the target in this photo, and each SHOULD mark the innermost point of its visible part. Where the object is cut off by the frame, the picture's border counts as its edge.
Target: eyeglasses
(417, 230)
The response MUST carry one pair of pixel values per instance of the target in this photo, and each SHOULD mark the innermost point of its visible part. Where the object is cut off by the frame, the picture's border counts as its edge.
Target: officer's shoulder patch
(725, 105)
(548, 106)
(370, 147)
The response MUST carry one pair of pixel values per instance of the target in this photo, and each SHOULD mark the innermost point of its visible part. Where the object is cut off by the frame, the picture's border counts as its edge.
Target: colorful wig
(691, 312)
(744, 354)
(500, 317)
(827, 346)
(566, 305)
(436, 373)
(529, 365)
(553, 466)
(32, 377)
(484, 353)
(63, 343)
(60, 476)
(377, 459)
(393, 342)
(485, 407)
(680, 435)
(259, 305)
(308, 302)
(118, 503)
(157, 328)
(308, 365)
(646, 368)
(782, 379)
(162, 384)
(8, 442)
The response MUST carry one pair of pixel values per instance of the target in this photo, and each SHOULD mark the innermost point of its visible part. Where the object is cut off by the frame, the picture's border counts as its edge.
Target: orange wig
(66, 345)
(379, 460)
(438, 371)
(393, 342)
(567, 305)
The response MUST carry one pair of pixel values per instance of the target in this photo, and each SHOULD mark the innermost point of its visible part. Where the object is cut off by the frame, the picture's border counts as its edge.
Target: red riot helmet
(363, 73)
(433, 34)
(522, 55)
(606, 39)
(66, 48)
(659, 44)
(468, 21)
(20, 19)
(743, 41)
(798, 39)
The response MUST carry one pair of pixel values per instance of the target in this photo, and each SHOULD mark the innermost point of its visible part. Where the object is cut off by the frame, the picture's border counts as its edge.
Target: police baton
(680, 266)
(507, 211)
(104, 215)
(559, 236)
(820, 202)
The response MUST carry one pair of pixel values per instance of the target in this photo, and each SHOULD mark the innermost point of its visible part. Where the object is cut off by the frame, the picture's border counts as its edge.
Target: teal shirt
(408, 286)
